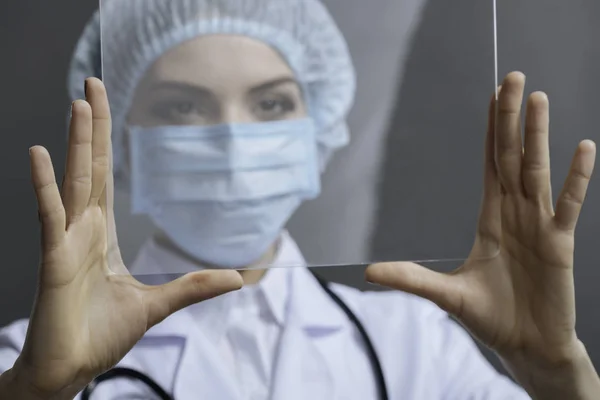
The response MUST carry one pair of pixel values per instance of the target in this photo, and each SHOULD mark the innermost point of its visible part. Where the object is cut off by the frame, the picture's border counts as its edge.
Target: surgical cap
(135, 33)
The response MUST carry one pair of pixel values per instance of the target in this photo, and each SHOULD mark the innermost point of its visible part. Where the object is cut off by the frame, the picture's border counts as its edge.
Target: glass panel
(236, 123)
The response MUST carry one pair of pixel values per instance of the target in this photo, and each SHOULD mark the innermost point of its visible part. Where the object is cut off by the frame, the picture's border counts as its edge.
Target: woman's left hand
(515, 292)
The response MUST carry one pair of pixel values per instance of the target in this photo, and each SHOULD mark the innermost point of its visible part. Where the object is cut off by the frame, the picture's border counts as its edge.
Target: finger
(441, 289)
(509, 148)
(574, 190)
(101, 128)
(536, 159)
(78, 175)
(50, 206)
(489, 227)
(106, 202)
(190, 289)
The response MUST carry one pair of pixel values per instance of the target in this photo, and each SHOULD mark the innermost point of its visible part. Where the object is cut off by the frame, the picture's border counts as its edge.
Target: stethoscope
(119, 372)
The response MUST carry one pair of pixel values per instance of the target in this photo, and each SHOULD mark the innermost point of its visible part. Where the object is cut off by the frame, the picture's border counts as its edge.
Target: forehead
(229, 60)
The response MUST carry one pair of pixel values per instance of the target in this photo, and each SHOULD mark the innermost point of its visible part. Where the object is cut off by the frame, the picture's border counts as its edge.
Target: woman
(281, 336)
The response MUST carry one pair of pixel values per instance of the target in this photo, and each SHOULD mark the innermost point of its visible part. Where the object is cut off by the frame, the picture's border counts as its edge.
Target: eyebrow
(201, 90)
(274, 83)
(175, 85)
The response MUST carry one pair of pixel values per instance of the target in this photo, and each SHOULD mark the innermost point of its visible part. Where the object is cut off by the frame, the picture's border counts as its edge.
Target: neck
(253, 274)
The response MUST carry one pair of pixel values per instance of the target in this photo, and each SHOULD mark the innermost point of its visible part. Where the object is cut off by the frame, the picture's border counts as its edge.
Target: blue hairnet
(135, 33)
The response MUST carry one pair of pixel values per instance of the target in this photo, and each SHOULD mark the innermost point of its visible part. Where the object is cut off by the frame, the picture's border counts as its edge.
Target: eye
(274, 107)
(270, 105)
(180, 111)
(182, 107)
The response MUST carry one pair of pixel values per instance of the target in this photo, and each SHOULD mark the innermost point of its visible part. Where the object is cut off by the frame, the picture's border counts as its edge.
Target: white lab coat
(424, 355)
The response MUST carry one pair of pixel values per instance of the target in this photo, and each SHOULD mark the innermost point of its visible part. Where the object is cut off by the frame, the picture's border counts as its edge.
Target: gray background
(446, 84)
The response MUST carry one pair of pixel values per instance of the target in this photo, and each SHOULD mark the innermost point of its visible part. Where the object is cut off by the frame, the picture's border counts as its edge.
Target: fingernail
(590, 143)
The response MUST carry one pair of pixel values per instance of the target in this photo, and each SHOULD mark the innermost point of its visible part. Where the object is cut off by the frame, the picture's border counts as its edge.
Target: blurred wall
(551, 40)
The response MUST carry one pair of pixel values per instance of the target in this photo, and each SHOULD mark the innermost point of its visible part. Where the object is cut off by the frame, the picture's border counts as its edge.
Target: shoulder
(12, 338)
(13, 335)
(417, 340)
(389, 307)
(406, 323)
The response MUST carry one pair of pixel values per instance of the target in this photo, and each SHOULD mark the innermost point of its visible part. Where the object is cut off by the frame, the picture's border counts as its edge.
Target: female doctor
(284, 335)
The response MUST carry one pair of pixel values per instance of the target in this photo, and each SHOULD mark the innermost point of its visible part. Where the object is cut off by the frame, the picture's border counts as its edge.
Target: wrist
(15, 384)
(573, 376)
(12, 386)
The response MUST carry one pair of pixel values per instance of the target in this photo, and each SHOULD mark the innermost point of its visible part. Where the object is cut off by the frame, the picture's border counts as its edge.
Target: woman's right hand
(86, 317)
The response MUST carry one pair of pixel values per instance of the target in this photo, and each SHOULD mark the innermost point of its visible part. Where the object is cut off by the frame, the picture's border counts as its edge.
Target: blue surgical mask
(223, 193)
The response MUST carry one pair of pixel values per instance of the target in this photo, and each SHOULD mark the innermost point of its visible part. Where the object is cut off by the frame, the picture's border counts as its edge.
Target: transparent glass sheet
(254, 134)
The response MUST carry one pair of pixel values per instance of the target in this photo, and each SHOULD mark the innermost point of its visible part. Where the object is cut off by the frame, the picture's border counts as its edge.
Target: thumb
(192, 288)
(441, 289)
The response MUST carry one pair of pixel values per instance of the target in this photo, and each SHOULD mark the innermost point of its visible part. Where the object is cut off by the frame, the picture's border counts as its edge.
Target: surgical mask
(223, 193)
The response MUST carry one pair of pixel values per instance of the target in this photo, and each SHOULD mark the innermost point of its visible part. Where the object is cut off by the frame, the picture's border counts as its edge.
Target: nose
(236, 112)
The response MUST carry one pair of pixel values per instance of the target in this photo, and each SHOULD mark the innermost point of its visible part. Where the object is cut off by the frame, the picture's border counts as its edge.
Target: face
(220, 79)
(217, 79)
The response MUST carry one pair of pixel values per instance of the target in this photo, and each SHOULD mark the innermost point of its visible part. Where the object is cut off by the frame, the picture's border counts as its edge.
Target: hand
(86, 317)
(515, 292)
